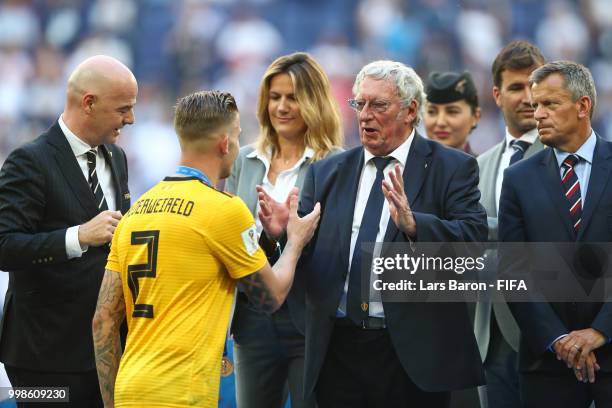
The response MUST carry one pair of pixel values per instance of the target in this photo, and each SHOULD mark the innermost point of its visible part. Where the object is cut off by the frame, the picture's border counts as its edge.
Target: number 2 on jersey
(148, 270)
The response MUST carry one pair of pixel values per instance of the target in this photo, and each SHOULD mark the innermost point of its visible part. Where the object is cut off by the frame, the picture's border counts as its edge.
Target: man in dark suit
(375, 354)
(61, 197)
(496, 330)
(561, 194)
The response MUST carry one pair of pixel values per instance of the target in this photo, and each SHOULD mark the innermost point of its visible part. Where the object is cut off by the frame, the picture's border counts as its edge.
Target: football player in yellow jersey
(175, 259)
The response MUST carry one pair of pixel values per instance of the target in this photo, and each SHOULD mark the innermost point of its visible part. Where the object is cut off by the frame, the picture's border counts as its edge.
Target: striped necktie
(520, 147)
(571, 187)
(94, 183)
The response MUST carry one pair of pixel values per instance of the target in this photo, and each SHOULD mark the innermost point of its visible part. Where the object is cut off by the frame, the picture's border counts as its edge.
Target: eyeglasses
(377, 106)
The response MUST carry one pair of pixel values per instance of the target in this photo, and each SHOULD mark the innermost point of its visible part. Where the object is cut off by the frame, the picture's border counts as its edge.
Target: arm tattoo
(258, 293)
(110, 312)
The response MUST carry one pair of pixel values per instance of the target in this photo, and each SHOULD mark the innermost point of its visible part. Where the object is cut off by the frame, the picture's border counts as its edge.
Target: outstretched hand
(399, 207)
(301, 230)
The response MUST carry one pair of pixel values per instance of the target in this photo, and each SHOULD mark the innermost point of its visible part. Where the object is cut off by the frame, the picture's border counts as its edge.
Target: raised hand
(301, 230)
(399, 207)
(273, 215)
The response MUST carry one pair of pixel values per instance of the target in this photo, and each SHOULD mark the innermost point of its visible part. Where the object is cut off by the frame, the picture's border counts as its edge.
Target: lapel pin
(126, 196)
(425, 165)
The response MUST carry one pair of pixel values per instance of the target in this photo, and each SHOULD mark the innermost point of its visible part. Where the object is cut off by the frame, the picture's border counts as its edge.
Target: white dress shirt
(105, 177)
(529, 137)
(366, 181)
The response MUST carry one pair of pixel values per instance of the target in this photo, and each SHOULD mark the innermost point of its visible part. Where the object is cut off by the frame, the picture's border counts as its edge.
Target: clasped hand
(577, 351)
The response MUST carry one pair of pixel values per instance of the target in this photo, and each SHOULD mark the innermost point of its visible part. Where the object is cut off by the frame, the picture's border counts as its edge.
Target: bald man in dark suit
(61, 197)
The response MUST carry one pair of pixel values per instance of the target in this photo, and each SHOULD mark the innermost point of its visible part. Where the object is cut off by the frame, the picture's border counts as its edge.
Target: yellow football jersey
(179, 250)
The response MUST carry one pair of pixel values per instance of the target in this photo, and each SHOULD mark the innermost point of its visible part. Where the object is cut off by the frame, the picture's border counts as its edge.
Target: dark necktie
(94, 183)
(571, 187)
(520, 147)
(357, 310)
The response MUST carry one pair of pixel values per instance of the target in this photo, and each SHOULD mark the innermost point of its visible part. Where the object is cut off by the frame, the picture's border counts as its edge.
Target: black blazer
(434, 341)
(533, 208)
(50, 300)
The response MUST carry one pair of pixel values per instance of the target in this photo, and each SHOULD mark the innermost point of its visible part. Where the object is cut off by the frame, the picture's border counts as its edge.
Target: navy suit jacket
(533, 208)
(434, 341)
(51, 299)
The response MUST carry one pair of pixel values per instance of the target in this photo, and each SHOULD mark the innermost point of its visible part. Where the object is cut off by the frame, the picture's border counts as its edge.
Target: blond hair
(312, 92)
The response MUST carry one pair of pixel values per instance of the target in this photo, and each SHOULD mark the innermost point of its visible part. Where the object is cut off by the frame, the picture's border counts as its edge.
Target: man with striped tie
(561, 194)
(61, 197)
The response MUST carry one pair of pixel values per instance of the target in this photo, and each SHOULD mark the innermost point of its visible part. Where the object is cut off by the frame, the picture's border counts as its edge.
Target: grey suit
(488, 163)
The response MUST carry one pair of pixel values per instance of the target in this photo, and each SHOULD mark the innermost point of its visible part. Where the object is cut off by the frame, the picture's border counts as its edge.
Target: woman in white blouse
(299, 124)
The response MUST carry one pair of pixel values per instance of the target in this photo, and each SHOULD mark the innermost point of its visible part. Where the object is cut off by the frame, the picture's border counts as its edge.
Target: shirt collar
(78, 146)
(529, 136)
(400, 154)
(585, 152)
(265, 157)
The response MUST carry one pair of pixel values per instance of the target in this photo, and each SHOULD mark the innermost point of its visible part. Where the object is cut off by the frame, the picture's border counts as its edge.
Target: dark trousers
(362, 370)
(501, 370)
(562, 390)
(269, 357)
(83, 387)
(467, 398)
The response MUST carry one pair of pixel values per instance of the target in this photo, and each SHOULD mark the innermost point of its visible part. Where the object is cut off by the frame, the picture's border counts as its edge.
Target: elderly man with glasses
(367, 353)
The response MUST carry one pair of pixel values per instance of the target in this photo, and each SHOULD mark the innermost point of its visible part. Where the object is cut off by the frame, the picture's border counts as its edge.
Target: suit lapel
(68, 165)
(253, 170)
(108, 156)
(600, 174)
(302, 173)
(489, 173)
(534, 148)
(551, 179)
(415, 172)
(348, 172)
